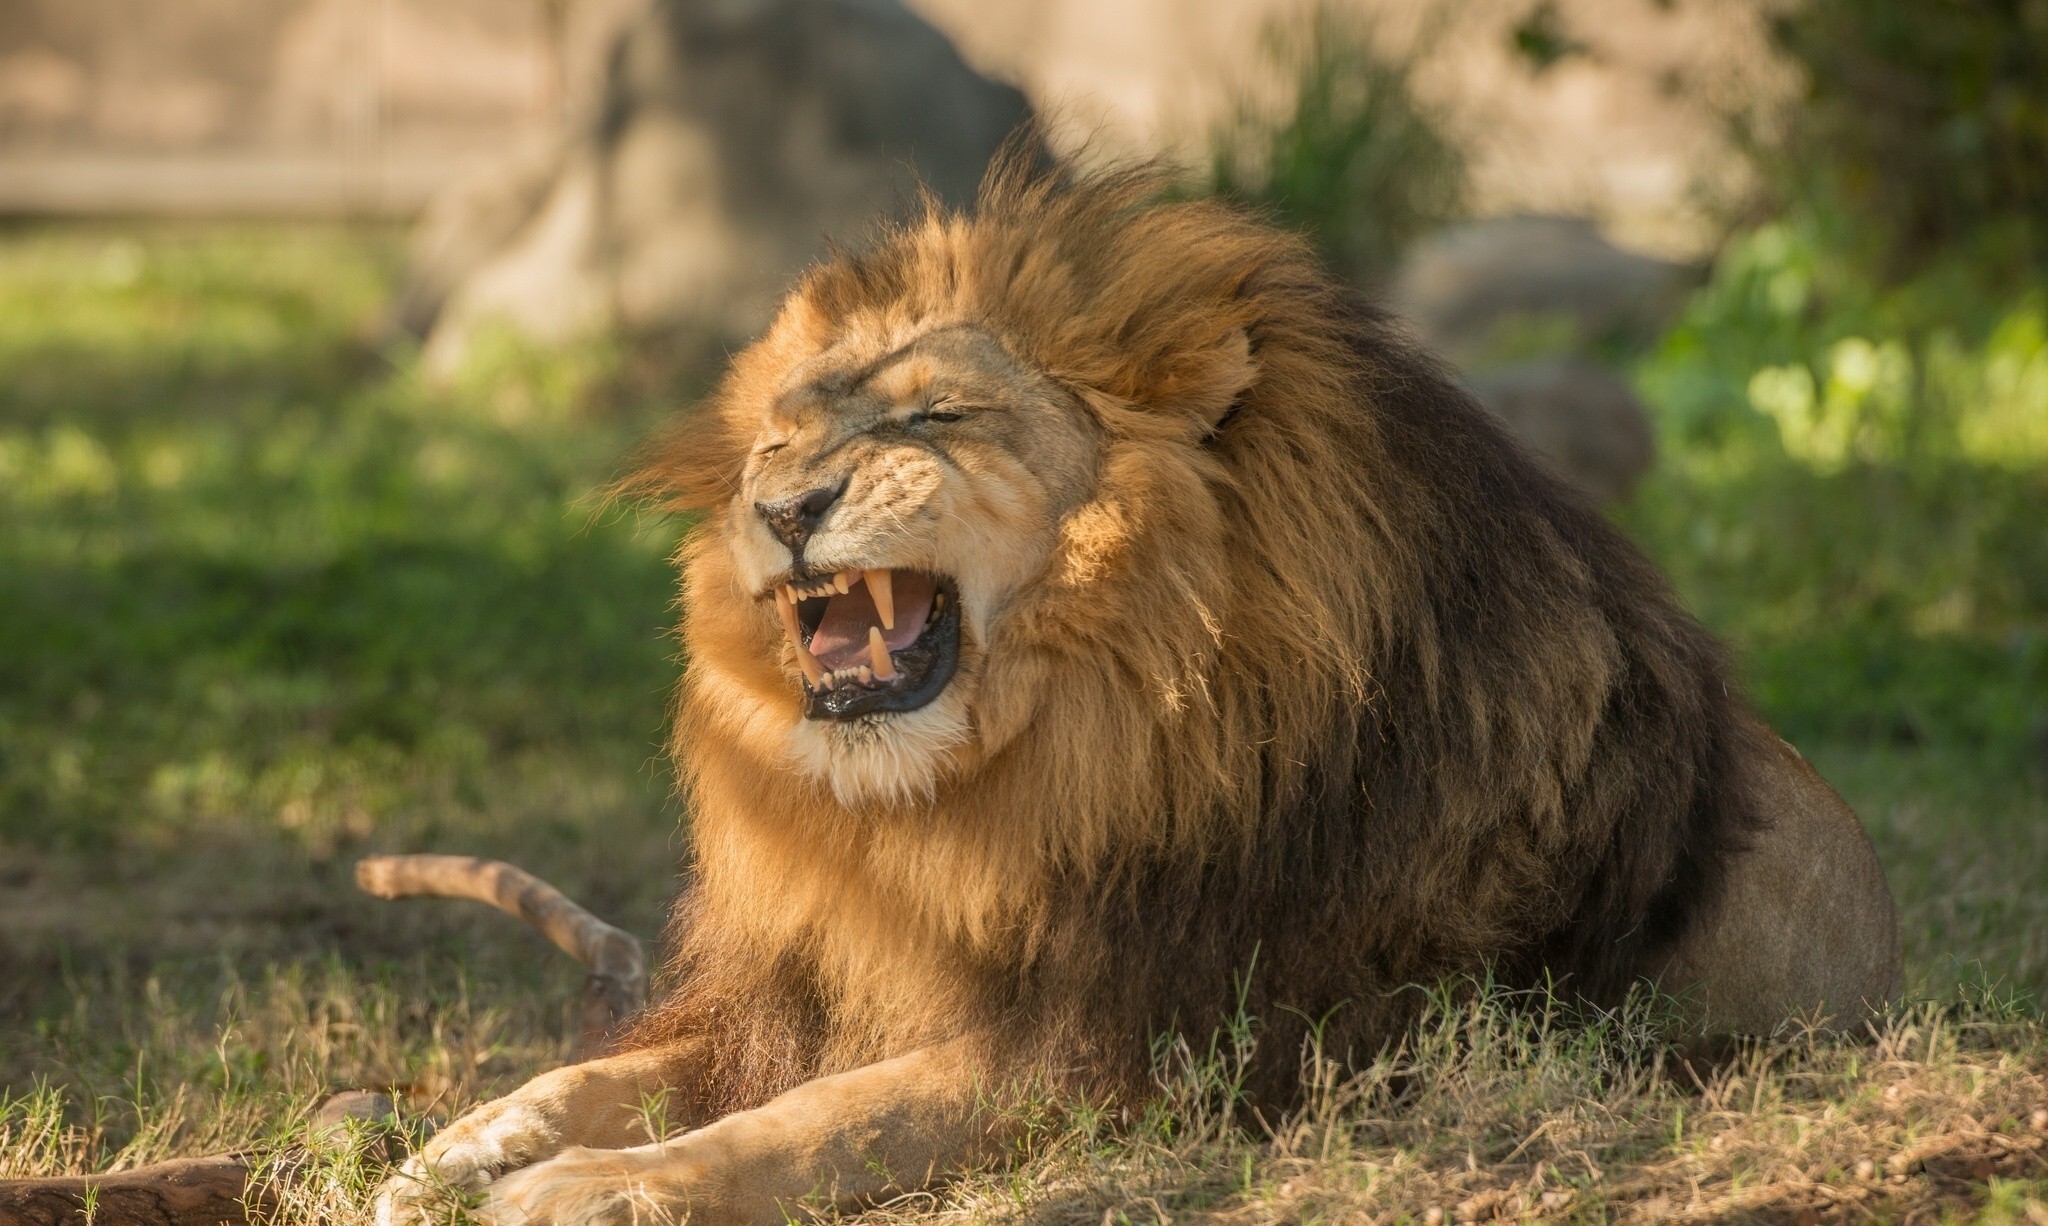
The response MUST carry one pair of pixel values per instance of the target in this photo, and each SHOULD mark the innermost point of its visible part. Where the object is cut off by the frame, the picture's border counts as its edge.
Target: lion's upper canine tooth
(785, 608)
(883, 593)
(812, 670)
(878, 655)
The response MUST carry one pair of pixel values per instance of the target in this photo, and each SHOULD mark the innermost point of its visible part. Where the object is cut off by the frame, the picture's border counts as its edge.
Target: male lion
(1100, 619)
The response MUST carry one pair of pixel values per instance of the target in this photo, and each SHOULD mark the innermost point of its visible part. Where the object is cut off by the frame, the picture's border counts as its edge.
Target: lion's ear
(1206, 382)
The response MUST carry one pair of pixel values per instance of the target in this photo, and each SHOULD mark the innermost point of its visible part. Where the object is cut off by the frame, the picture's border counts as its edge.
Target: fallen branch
(183, 1192)
(617, 986)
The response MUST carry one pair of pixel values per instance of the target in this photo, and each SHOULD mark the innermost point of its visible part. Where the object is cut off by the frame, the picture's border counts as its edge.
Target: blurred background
(323, 322)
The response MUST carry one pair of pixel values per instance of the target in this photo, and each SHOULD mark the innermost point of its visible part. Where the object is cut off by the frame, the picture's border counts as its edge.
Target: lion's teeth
(785, 608)
(843, 582)
(878, 655)
(882, 591)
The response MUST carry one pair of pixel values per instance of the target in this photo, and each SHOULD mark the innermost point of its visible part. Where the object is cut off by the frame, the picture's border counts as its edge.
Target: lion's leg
(1807, 927)
(612, 1102)
(840, 1140)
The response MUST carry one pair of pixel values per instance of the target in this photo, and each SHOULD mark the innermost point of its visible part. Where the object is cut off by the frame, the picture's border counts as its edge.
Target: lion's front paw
(653, 1185)
(465, 1157)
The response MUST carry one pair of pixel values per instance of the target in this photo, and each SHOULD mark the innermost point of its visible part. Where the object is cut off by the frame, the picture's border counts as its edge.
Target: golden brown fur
(1286, 677)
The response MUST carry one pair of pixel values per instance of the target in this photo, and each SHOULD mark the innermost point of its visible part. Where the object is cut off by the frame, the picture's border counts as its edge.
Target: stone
(719, 145)
(1463, 284)
(1578, 416)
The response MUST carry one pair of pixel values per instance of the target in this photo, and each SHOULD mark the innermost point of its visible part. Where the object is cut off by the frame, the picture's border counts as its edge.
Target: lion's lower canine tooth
(882, 591)
(878, 655)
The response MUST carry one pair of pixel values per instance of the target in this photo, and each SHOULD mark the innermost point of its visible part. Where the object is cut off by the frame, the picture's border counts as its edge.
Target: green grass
(268, 601)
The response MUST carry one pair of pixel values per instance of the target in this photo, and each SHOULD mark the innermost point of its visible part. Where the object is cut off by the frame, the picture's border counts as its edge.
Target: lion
(1101, 625)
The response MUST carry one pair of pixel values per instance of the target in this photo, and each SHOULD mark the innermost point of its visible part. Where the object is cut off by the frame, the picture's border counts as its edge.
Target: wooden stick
(182, 1192)
(617, 986)
(196, 1191)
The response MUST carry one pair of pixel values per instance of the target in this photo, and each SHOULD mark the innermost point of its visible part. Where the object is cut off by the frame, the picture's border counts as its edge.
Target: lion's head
(927, 488)
(903, 487)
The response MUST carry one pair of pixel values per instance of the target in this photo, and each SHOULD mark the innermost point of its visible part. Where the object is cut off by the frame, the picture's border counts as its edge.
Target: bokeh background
(323, 324)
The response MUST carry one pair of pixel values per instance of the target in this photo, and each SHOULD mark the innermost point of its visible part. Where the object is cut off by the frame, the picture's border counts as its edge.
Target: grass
(268, 601)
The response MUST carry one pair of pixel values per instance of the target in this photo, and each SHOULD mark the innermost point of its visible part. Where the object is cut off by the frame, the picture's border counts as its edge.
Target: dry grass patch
(1496, 1112)
(1495, 1109)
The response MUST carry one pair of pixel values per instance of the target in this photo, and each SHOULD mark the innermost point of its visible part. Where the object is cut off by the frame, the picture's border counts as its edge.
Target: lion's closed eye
(944, 409)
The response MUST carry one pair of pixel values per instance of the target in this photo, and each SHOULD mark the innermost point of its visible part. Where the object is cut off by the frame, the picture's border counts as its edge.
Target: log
(182, 1192)
(616, 988)
(195, 1191)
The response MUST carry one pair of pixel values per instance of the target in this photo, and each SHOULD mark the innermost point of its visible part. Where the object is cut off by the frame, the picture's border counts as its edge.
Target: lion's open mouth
(872, 641)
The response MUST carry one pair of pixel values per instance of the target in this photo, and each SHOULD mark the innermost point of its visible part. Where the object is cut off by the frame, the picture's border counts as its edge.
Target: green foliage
(1852, 490)
(1354, 158)
(1541, 38)
(1923, 121)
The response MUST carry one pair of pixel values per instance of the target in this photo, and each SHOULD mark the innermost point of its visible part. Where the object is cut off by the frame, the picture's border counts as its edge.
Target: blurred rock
(1462, 285)
(1579, 416)
(715, 147)
(327, 107)
(349, 1116)
(354, 106)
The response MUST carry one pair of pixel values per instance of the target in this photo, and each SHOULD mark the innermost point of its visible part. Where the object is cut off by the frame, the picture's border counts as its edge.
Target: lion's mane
(1329, 690)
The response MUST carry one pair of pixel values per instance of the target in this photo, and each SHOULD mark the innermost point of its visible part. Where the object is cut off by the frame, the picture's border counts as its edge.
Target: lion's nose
(793, 519)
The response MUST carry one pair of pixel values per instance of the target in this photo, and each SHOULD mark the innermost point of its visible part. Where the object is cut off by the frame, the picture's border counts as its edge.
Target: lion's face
(900, 491)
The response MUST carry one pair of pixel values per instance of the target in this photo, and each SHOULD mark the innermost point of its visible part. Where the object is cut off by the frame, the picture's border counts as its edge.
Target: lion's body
(1287, 680)
(1804, 927)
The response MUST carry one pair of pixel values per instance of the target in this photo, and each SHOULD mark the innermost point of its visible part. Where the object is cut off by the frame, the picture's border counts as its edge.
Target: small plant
(1354, 158)
(1923, 122)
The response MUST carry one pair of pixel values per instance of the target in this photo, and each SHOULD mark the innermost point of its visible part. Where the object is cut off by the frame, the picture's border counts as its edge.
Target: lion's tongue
(841, 639)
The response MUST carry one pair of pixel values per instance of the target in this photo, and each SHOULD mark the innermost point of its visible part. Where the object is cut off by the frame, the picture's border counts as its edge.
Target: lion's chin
(885, 759)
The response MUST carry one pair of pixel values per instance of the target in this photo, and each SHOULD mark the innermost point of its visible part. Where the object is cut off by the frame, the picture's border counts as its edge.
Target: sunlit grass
(250, 568)
(1498, 1107)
